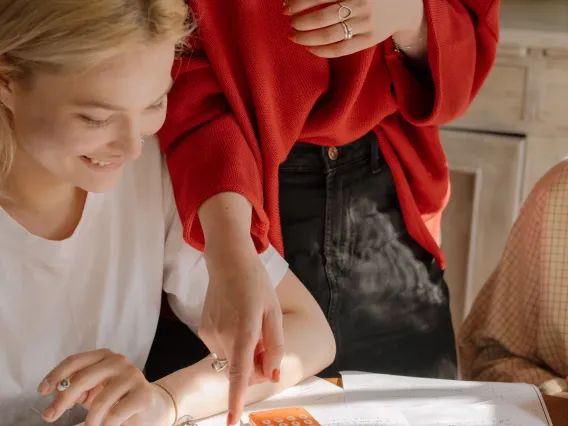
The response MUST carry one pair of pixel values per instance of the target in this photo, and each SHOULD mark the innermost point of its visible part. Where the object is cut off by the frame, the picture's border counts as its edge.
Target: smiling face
(82, 128)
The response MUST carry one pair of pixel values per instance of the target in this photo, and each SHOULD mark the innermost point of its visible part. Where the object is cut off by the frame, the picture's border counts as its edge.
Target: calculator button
(308, 422)
(282, 424)
(296, 424)
(279, 420)
(303, 417)
(266, 422)
(291, 418)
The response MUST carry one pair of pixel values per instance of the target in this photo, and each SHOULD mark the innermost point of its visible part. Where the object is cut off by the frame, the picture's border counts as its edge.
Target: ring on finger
(347, 31)
(63, 385)
(218, 364)
(344, 12)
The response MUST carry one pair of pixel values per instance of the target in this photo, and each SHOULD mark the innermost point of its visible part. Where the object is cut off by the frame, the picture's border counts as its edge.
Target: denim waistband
(310, 158)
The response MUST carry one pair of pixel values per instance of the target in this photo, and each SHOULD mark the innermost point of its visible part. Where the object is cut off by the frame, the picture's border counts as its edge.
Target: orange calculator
(294, 416)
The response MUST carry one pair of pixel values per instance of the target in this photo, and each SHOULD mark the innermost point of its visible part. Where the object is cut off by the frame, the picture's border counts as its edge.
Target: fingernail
(48, 414)
(276, 375)
(230, 421)
(292, 35)
(286, 11)
(43, 387)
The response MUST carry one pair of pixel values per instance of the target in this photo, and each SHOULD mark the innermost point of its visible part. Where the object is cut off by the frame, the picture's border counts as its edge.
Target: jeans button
(332, 153)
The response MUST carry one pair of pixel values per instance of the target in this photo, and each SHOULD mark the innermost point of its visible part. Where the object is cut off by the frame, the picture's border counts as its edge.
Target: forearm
(226, 222)
(202, 392)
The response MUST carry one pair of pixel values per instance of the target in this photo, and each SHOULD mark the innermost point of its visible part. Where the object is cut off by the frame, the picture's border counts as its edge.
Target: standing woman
(313, 125)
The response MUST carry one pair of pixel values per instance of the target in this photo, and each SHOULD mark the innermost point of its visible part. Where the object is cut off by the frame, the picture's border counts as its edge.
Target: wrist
(413, 37)
(170, 414)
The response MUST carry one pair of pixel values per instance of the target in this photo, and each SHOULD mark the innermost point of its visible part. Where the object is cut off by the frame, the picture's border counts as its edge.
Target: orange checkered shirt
(517, 330)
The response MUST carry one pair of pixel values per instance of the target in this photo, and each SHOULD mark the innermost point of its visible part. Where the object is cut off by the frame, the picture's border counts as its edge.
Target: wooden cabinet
(485, 199)
(515, 130)
(553, 94)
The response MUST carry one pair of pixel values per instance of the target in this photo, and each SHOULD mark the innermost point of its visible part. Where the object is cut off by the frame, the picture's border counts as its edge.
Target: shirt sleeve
(202, 139)
(185, 272)
(505, 335)
(462, 45)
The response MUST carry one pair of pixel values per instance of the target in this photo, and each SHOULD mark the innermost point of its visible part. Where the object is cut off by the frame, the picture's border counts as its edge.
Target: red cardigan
(245, 94)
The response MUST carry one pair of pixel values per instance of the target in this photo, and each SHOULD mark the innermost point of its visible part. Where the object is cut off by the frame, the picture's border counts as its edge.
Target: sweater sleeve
(462, 45)
(206, 150)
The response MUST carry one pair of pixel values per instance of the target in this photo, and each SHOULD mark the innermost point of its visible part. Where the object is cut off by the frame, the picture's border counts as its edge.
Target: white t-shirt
(101, 288)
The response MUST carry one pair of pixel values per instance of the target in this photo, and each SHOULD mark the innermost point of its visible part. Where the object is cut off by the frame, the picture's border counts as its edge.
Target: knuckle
(71, 359)
(120, 358)
(132, 373)
(106, 352)
(236, 373)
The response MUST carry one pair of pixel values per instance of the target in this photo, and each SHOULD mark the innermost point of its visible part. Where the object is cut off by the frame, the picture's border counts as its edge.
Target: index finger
(240, 371)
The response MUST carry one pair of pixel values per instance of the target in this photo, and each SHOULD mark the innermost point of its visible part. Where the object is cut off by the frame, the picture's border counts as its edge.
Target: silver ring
(63, 384)
(218, 364)
(342, 10)
(347, 31)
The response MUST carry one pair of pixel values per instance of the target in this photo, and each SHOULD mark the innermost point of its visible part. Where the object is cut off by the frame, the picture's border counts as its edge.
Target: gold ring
(218, 364)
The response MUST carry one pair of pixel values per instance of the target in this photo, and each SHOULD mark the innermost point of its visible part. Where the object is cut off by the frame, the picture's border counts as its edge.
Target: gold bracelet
(185, 420)
(401, 49)
(165, 389)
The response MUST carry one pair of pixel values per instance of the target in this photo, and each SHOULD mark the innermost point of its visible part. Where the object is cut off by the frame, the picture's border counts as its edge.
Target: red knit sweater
(246, 94)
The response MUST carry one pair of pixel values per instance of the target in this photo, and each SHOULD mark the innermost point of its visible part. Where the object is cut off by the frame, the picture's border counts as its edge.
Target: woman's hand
(370, 22)
(112, 390)
(242, 322)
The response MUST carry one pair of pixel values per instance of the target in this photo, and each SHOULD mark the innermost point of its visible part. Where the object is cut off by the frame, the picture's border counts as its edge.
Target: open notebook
(377, 399)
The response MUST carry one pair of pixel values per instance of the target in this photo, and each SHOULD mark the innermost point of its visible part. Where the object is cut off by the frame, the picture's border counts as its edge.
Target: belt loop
(375, 156)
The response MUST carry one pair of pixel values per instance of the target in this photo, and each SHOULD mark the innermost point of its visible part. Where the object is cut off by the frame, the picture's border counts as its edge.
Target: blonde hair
(68, 36)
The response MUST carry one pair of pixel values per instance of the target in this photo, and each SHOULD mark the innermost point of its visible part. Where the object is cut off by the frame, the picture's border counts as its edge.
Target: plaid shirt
(517, 330)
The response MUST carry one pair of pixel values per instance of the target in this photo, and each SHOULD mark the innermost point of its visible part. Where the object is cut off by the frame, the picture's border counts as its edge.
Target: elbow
(326, 344)
(330, 349)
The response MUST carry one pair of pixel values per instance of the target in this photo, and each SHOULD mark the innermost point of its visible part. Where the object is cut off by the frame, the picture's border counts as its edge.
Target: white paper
(314, 394)
(361, 416)
(473, 415)
(380, 390)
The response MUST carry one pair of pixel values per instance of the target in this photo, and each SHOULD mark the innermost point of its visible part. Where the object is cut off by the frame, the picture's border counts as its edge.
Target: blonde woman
(89, 233)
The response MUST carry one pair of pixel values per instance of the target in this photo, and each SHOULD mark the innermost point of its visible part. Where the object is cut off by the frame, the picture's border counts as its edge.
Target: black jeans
(345, 238)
